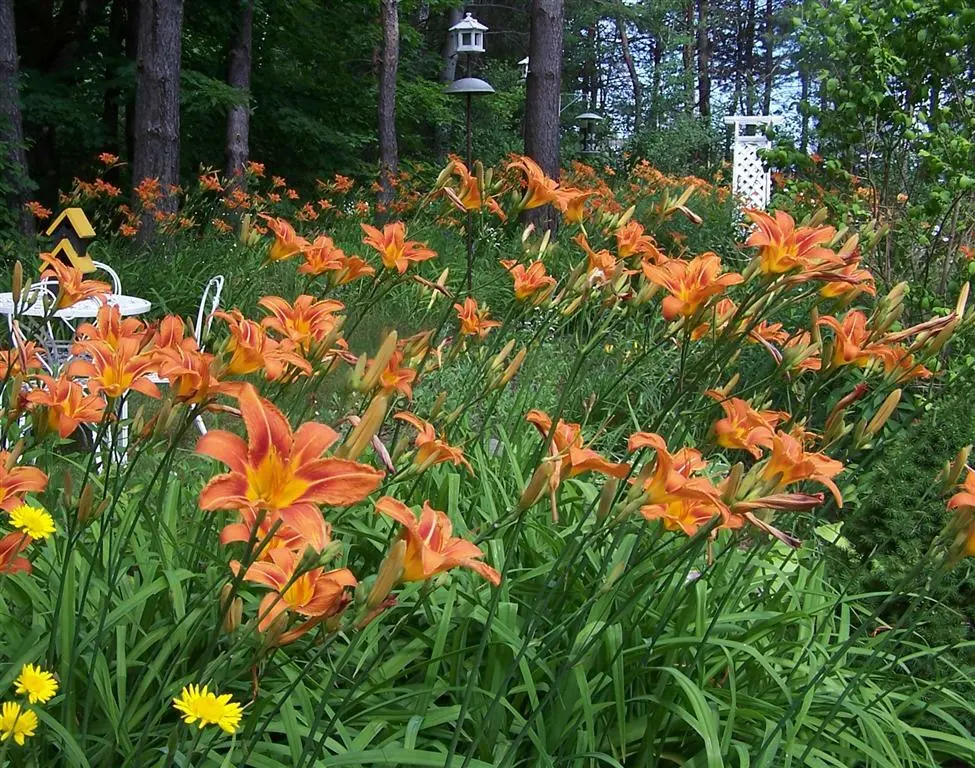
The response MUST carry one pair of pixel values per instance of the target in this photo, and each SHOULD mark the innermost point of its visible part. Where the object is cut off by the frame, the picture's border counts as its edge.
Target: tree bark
(749, 57)
(543, 101)
(658, 55)
(804, 101)
(156, 152)
(448, 71)
(769, 60)
(115, 51)
(703, 60)
(239, 78)
(388, 64)
(634, 75)
(16, 178)
(687, 56)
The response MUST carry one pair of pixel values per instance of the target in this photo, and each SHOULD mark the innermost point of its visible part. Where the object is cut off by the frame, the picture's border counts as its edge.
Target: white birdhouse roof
(467, 24)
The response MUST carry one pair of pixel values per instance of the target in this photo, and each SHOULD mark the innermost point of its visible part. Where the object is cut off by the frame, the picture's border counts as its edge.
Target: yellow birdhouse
(72, 232)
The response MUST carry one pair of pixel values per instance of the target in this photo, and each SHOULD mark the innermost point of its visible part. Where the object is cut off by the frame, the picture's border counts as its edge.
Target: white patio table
(86, 308)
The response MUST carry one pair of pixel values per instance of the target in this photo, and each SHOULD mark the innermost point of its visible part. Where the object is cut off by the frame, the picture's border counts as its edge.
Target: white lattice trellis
(751, 180)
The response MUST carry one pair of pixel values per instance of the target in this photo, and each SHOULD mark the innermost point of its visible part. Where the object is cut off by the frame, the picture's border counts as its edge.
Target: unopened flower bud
(389, 574)
(958, 466)
(368, 425)
(379, 363)
(883, 413)
(513, 366)
(625, 218)
(17, 282)
(606, 497)
(438, 405)
(498, 360)
(85, 501)
(536, 486)
(732, 483)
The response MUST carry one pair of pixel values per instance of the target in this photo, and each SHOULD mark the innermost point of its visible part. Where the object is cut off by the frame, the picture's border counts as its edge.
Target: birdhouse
(588, 120)
(468, 35)
(72, 232)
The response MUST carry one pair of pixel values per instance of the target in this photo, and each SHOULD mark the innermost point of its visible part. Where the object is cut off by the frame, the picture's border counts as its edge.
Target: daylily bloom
(22, 358)
(192, 375)
(541, 190)
(114, 371)
(171, 334)
(768, 333)
(67, 404)
(847, 282)
(901, 366)
(110, 328)
(393, 248)
(603, 266)
(16, 481)
(396, 377)
(784, 247)
(467, 197)
(305, 322)
(474, 320)
(321, 256)
(852, 345)
(744, 428)
(251, 349)
(315, 594)
(265, 528)
(430, 548)
(789, 463)
(531, 281)
(801, 353)
(287, 242)
(690, 283)
(572, 203)
(280, 470)
(963, 502)
(631, 240)
(430, 449)
(11, 547)
(721, 312)
(351, 268)
(72, 286)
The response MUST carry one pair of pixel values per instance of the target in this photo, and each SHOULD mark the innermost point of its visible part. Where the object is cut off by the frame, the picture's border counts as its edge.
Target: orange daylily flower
(847, 282)
(396, 377)
(852, 345)
(279, 470)
(305, 322)
(114, 371)
(722, 312)
(541, 190)
(321, 256)
(963, 501)
(171, 334)
(801, 353)
(743, 427)
(287, 242)
(789, 463)
(430, 548)
(393, 248)
(529, 281)
(251, 349)
(267, 531)
(690, 283)
(67, 404)
(72, 286)
(467, 197)
(16, 481)
(632, 240)
(192, 375)
(315, 594)
(572, 203)
(11, 547)
(474, 320)
(430, 449)
(110, 328)
(22, 358)
(603, 266)
(901, 366)
(783, 247)
(351, 268)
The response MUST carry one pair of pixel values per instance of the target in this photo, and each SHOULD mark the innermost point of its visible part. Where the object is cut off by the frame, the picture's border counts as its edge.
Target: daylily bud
(543, 246)
(389, 574)
(625, 218)
(814, 333)
(368, 426)
(962, 300)
(732, 483)
(231, 607)
(15, 454)
(84, 503)
(443, 177)
(273, 633)
(613, 576)
(526, 233)
(883, 413)
(572, 306)
(380, 362)
(606, 497)
(17, 283)
(941, 339)
(513, 366)
(499, 358)
(536, 486)
(438, 405)
(958, 466)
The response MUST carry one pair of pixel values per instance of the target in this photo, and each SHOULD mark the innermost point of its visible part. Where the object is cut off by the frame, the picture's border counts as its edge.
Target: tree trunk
(703, 60)
(634, 75)
(769, 59)
(16, 179)
(388, 64)
(115, 52)
(687, 55)
(132, 54)
(448, 71)
(749, 57)
(738, 60)
(239, 78)
(658, 55)
(542, 101)
(156, 153)
(804, 102)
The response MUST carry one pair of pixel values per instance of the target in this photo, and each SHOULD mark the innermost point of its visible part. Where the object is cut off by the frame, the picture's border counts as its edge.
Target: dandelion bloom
(20, 359)
(690, 283)
(315, 594)
(67, 404)
(789, 463)
(39, 685)
(280, 470)
(784, 247)
(287, 242)
(743, 428)
(32, 521)
(430, 449)
(474, 320)
(16, 722)
(540, 189)
(393, 248)
(199, 705)
(72, 286)
(251, 349)
(430, 548)
(530, 281)
(115, 371)
(16, 481)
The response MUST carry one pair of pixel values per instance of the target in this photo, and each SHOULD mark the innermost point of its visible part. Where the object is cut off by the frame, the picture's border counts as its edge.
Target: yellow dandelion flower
(199, 705)
(40, 686)
(16, 722)
(33, 521)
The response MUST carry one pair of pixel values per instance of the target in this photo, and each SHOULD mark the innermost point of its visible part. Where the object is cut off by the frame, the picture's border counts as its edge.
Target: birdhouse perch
(72, 232)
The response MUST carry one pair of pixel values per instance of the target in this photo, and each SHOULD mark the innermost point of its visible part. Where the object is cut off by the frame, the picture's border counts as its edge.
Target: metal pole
(470, 214)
